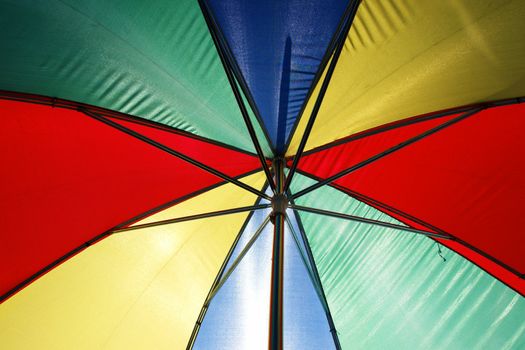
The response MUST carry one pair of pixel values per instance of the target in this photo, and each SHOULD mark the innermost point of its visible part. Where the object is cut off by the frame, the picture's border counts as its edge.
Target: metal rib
(193, 217)
(385, 153)
(238, 260)
(174, 153)
(233, 84)
(369, 221)
(351, 12)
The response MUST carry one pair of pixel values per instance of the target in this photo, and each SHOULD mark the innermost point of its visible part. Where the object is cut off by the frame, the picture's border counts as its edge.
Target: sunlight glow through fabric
(262, 174)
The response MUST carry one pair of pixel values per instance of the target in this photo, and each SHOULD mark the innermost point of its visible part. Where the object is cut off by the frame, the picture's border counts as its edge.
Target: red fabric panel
(488, 265)
(356, 151)
(466, 180)
(67, 178)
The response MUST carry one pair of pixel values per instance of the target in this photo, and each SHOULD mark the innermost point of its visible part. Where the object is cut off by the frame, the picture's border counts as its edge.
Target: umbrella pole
(279, 201)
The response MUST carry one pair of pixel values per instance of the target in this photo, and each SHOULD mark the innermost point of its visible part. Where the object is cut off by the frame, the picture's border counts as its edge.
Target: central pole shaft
(276, 298)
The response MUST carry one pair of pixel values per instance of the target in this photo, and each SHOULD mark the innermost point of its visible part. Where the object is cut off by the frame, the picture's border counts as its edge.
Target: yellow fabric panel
(201, 204)
(406, 58)
(140, 289)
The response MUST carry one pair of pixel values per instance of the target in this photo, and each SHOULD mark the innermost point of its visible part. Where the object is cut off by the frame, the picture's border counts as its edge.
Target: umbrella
(262, 174)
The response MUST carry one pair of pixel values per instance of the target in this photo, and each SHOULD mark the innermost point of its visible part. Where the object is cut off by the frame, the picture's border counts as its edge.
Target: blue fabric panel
(238, 316)
(278, 47)
(305, 325)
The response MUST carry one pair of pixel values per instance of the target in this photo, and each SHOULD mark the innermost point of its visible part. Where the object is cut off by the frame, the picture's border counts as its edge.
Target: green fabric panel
(389, 289)
(152, 60)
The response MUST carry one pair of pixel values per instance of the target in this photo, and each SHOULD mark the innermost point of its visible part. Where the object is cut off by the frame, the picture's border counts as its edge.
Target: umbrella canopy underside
(153, 154)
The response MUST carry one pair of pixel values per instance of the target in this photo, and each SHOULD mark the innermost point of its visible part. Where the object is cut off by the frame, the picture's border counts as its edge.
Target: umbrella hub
(279, 204)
